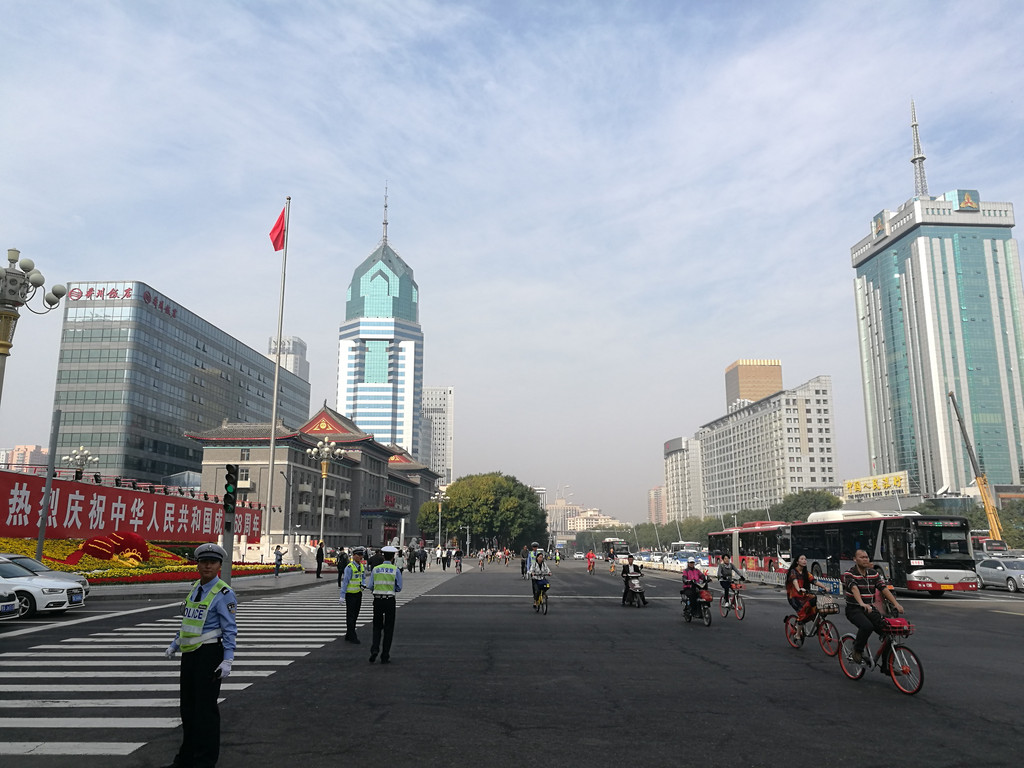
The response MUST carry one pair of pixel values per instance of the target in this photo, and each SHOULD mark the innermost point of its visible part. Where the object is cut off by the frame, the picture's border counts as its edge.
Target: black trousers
(319, 567)
(200, 716)
(866, 623)
(353, 603)
(383, 624)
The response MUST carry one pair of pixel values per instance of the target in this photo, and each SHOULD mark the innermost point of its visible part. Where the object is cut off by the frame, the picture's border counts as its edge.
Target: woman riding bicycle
(726, 570)
(798, 590)
(539, 573)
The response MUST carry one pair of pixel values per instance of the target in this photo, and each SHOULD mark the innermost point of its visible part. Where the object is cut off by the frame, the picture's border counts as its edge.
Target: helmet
(690, 561)
(210, 552)
(361, 551)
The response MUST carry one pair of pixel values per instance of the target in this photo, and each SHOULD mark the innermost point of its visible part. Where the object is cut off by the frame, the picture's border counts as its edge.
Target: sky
(604, 203)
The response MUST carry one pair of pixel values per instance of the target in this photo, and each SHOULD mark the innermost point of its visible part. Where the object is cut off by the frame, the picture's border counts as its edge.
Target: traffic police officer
(207, 644)
(352, 592)
(385, 580)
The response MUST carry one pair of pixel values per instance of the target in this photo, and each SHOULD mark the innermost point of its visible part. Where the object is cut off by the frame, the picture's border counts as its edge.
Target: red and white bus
(761, 545)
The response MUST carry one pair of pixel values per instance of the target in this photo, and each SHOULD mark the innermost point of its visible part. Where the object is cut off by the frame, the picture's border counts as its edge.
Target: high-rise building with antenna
(939, 301)
(380, 355)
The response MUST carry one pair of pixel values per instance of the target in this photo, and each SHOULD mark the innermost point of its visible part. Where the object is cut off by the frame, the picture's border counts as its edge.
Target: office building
(137, 370)
(938, 299)
(752, 380)
(682, 479)
(293, 355)
(657, 511)
(24, 457)
(437, 445)
(380, 354)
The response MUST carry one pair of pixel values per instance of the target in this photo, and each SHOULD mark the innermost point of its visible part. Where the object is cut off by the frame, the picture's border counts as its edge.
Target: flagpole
(265, 544)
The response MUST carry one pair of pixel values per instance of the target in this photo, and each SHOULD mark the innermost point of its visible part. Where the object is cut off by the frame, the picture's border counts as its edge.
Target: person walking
(385, 581)
(206, 640)
(278, 558)
(319, 559)
(423, 559)
(352, 593)
(342, 562)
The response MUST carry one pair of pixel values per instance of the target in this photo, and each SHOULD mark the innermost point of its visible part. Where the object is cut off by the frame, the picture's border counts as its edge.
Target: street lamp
(289, 537)
(324, 451)
(18, 286)
(440, 498)
(80, 458)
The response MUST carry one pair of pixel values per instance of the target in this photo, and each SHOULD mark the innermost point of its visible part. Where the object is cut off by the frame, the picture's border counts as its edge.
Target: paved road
(477, 675)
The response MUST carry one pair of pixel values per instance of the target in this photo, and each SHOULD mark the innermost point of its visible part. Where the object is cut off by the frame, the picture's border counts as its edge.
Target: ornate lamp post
(324, 451)
(80, 458)
(440, 498)
(19, 283)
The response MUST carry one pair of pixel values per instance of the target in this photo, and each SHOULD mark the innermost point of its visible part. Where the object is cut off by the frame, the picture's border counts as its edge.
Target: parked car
(1001, 572)
(577, 555)
(38, 593)
(42, 570)
(8, 603)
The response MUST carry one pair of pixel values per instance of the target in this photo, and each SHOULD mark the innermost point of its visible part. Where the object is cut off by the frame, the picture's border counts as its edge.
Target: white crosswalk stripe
(89, 674)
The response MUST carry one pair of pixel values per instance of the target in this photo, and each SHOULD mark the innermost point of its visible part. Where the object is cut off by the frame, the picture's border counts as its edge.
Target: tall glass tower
(380, 355)
(939, 309)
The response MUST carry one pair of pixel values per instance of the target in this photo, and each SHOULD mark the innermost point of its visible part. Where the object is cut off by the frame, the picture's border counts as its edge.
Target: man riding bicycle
(726, 570)
(539, 573)
(861, 585)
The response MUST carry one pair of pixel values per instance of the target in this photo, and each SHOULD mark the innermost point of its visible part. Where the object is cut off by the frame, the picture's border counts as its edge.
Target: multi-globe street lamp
(440, 498)
(80, 458)
(324, 452)
(19, 283)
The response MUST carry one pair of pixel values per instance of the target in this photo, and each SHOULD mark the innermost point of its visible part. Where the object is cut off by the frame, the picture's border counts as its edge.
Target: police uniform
(385, 581)
(352, 593)
(206, 640)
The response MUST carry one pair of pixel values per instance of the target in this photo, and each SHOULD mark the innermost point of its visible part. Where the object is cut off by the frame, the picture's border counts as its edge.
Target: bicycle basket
(705, 595)
(828, 604)
(898, 627)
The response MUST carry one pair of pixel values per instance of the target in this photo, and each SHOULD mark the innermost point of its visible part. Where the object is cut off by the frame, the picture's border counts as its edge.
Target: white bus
(676, 546)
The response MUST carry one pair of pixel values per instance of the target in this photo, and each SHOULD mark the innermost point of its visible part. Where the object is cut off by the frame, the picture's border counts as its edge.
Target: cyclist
(591, 557)
(798, 590)
(481, 556)
(539, 573)
(861, 584)
(726, 570)
(693, 579)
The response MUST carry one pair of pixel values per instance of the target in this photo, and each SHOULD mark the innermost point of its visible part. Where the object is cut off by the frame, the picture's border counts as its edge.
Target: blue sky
(604, 203)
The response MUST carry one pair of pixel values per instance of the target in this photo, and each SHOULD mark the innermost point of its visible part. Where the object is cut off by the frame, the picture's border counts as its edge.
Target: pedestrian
(319, 559)
(446, 558)
(385, 581)
(206, 640)
(375, 559)
(278, 558)
(439, 555)
(400, 561)
(342, 561)
(352, 592)
(423, 559)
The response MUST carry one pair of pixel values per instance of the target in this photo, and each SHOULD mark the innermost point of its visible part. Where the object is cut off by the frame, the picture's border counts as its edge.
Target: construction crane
(995, 529)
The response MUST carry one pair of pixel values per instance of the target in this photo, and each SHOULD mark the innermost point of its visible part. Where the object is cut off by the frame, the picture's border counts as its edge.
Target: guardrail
(775, 578)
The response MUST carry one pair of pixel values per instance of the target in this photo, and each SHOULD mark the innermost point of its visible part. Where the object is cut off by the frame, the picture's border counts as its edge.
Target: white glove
(170, 651)
(223, 670)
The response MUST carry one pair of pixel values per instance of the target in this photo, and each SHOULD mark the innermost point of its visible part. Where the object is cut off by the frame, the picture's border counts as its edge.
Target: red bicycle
(893, 657)
(733, 603)
(828, 635)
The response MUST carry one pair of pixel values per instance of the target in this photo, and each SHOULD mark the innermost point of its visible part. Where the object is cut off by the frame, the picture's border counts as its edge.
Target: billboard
(891, 484)
(79, 510)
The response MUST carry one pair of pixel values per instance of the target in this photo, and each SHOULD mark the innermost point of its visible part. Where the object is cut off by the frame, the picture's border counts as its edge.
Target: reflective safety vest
(191, 636)
(384, 579)
(355, 583)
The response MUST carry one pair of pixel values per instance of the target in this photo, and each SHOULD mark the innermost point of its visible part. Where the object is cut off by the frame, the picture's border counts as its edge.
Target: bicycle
(826, 631)
(458, 566)
(893, 657)
(540, 603)
(733, 603)
(611, 566)
(590, 567)
(481, 565)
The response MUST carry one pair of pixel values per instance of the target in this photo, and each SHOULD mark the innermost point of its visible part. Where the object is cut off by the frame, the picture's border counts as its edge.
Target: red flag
(277, 233)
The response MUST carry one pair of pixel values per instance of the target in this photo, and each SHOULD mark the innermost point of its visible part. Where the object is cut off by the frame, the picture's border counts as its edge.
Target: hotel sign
(892, 484)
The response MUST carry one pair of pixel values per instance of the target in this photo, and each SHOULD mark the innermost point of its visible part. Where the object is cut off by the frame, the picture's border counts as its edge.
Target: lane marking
(113, 688)
(30, 630)
(74, 748)
(48, 703)
(92, 722)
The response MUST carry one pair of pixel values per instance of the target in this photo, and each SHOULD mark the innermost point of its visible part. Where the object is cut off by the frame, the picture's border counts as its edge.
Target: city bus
(615, 548)
(761, 545)
(678, 546)
(918, 553)
(980, 542)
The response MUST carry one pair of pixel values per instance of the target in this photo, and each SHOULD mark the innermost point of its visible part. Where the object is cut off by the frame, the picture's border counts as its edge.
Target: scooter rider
(693, 580)
(629, 569)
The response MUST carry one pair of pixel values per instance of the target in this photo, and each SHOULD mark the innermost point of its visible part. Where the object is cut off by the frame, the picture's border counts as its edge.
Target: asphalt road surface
(477, 676)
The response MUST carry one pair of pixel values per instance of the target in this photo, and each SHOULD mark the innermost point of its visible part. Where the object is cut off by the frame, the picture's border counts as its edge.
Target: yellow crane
(995, 529)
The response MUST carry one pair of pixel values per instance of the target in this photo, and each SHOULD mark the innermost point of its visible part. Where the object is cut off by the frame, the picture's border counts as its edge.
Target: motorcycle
(701, 606)
(635, 596)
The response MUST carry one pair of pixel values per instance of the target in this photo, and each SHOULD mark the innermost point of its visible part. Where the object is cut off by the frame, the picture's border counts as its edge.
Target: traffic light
(230, 486)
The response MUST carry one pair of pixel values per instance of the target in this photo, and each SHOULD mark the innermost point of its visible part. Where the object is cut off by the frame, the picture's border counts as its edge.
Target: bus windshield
(939, 540)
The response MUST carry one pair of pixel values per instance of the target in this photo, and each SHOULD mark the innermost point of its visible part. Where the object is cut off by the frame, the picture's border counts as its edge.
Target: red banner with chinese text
(79, 510)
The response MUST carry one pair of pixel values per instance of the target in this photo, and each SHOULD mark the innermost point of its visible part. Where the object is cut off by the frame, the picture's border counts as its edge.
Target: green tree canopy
(497, 509)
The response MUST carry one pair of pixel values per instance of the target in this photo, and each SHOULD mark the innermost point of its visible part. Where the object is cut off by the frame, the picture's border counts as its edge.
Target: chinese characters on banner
(894, 484)
(81, 511)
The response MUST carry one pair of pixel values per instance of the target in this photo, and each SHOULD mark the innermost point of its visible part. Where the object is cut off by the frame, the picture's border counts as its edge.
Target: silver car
(8, 604)
(39, 569)
(37, 593)
(1002, 572)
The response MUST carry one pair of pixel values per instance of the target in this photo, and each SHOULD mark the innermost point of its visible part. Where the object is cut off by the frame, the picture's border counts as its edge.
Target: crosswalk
(117, 689)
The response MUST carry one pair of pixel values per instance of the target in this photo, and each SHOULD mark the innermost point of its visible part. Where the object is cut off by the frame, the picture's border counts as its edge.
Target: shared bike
(540, 603)
(823, 628)
(893, 658)
(590, 567)
(733, 603)
(458, 565)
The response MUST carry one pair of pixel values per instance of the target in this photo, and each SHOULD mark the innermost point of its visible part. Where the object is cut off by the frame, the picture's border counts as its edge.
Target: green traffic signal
(230, 486)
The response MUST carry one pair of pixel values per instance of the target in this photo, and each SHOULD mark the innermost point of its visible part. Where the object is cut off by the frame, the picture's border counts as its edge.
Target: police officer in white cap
(207, 644)
(385, 581)
(352, 592)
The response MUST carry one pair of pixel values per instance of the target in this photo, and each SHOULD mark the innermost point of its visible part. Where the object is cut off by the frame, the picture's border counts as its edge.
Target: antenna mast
(386, 213)
(920, 182)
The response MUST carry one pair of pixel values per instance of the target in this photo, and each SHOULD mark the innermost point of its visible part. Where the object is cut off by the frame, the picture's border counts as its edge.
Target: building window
(245, 454)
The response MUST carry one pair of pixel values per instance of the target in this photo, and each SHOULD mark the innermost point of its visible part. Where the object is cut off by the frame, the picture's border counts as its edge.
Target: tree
(797, 506)
(497, 509)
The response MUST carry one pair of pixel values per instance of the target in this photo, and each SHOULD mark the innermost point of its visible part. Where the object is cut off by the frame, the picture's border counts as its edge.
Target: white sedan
(36, 593)
(577, 556)
(8, 604)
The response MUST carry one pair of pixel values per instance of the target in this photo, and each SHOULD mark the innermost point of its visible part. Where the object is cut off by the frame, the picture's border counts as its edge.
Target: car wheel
(26, 605)
(1012, 585)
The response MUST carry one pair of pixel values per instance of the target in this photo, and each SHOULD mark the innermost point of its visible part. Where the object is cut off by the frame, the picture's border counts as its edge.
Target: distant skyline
(605, 204)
